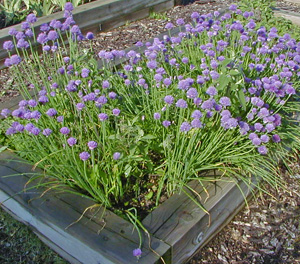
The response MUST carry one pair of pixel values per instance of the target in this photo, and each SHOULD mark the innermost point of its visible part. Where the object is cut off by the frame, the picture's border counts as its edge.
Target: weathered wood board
(98, 16)
(99, 237)
(295, 2)
(178, 227)
(292, 16)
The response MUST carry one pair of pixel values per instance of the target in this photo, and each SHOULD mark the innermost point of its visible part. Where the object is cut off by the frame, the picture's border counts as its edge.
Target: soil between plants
(268, 231)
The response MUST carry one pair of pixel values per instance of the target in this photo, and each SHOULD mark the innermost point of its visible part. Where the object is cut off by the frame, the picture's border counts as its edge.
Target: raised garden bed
(178, 227)
(98, 16)
(175, 232)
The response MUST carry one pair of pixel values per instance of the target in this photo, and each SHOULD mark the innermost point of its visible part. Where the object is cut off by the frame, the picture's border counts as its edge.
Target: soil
(268, 230)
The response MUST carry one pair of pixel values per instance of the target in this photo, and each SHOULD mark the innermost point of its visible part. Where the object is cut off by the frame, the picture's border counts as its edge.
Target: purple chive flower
(169, 26)
(180, 21)
(258, 127)
(197, 114)
(137, 252)
(152, 64)
(139, 44)
(225, 101)
(43, 99)
(69, 7)
(31, 18)
(116, 155)
(85, 72)
(102, 100)
(196, 123)
(66, 59)
(263, 112)
(42, 92)
(42, 38)
(192, 93)
(5, 112)
(89, 36)
(10, 131)
(45, 27)
(8, 45)
(61, 70)
(214, 75)
(12, 32)
(29, 127)
(276, 138)
(25, 25)
(80, 106)
(195, 16)
(19, 128)
(212, 91)
(51, 112)
(252, 136)
(46, 48)
(167, 81)
(116, 111)
(208, 104)
(264, 138)
(47, 132)
(233, 7)
(256, 141)
(169, 99)
(112, 95)
(185, 60)
(35, 131)
(52, 35)
(60, 119)
(15, 59)
(7, 62)
(181, 103)
(92, 145)
(71, 141)
(64, 130)
(75, 29)
(262, 150)
(32, 103)
(156, 116)
(20, 35)
(105, 84)
(84, 155)
(185, 127)
(166, 123)
(103, 116)
(270, 127)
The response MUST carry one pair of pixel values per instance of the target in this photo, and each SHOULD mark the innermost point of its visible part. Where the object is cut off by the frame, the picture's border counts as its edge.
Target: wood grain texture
(293, 17)
(89, 240)
(188, 226)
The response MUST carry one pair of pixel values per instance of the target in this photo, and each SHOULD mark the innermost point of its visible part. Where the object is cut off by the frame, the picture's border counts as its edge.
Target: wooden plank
(200, 232)
(190, 226)
(97, 16)
(50, 216)
(165, 211)
(292, 16)
(295, 2)
(214, 231)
